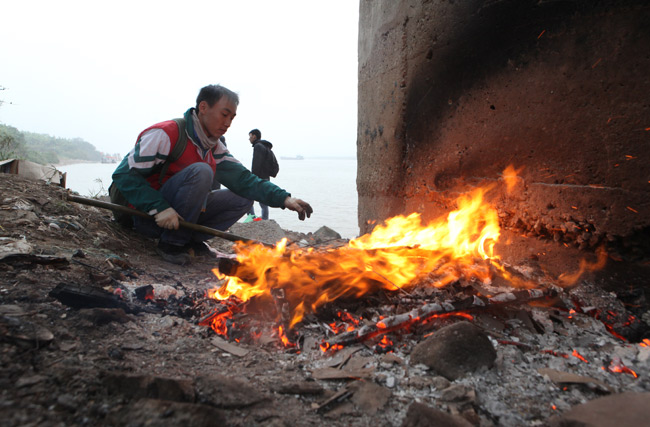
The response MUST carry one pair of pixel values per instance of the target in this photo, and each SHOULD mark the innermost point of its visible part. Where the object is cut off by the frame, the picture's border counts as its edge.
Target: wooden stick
(428, 311)
(184, 224)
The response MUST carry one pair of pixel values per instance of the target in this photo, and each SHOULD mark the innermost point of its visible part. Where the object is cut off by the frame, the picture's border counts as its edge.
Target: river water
(328, 185)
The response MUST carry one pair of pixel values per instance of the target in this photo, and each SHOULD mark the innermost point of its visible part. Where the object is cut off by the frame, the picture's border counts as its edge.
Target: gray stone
(624, 409)
(325, 233)
(141, 386)
(151, 412)
(458, 393)
(420, 415)
(265, 231)
(226, 392)
(455, 350)
(369, 397)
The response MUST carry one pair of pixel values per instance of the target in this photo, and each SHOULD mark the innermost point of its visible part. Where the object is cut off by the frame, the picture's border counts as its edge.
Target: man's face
(217, 119)
(252, 138)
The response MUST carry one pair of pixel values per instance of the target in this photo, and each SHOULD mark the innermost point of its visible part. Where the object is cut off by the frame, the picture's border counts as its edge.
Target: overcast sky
(104, 71)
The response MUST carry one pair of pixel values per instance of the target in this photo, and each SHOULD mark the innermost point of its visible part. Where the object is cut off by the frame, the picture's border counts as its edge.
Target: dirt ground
(66, 366)
(141, 365)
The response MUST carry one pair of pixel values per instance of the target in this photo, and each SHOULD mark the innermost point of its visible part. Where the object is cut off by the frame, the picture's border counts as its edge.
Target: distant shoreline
(66, 162)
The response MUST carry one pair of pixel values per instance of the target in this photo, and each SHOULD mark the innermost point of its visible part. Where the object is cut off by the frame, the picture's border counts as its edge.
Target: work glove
(168, 219)
(303, 208)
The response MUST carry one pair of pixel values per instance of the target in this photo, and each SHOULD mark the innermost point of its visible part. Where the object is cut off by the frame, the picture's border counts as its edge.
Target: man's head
(254, 135)
(216, 107)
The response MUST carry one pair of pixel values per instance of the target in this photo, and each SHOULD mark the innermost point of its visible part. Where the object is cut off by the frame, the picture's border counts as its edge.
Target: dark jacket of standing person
(262, 158)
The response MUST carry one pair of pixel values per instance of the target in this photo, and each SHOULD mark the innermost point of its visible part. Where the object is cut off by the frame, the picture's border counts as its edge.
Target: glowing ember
(283, 337)
(385, 343)
(324, 346)
(579, 356)
(555, 353)
(616, 365)
(220, 319)
(348, 323)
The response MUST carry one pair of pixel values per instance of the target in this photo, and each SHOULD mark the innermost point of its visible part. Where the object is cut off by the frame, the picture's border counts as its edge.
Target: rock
(325, 233)
(67, 402)
(301, 387)
(24, 333)
(624, 409)
(11, 310)
(458, 393)
(265, 231)
(141, 386)
(152, 412)
(30, 380)
(440, 383)
(103, 316)
(225, 392)
(455, 350)
(369, 397)
(10, 246)
(419, 415)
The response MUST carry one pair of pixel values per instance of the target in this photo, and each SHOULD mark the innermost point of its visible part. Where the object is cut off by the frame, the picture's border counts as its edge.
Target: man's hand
(168, 219)
(303, 208)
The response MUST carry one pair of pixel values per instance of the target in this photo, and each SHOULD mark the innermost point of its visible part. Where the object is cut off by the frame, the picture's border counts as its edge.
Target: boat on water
(298, 157)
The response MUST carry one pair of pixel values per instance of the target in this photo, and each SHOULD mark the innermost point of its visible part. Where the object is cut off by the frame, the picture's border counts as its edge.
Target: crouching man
(181, 187)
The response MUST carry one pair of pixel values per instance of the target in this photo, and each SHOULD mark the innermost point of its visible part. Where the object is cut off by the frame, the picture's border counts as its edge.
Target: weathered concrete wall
(452, 92)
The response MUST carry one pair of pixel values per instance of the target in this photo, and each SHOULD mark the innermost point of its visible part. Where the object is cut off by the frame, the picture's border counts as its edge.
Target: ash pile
(469, 353)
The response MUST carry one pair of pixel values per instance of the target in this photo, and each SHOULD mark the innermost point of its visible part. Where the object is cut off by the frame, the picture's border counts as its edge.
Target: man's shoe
(174, 254)
(200, 249)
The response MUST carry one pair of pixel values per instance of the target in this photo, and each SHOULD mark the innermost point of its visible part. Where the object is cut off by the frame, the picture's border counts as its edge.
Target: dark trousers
(190, 193)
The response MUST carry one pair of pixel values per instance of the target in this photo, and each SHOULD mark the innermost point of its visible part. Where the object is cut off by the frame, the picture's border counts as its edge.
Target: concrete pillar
(452, 92)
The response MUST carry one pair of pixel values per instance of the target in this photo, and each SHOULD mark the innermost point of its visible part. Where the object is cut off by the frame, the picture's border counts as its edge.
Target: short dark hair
(213, 93)
(257, 133)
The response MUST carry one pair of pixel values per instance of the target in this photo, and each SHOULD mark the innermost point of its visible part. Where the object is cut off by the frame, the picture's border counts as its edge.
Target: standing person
(264, 165)
(184, 191)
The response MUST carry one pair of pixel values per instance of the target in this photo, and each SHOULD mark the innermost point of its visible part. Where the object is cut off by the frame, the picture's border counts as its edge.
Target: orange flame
(511, 177)
(284, 338)
(393, 257)
(390, 258)
(569, 279)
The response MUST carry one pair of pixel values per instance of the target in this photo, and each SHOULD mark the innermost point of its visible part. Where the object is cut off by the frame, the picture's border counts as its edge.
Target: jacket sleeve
(146, 158)
(244, 183)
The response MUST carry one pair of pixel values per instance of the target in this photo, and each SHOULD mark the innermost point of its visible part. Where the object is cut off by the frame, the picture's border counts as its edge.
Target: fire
(391, 258)
(284, 338)
(511, 177)
(568, 279)
(397, 255)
